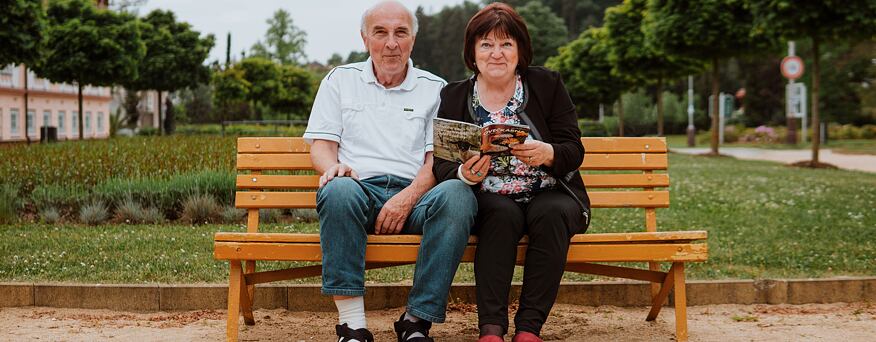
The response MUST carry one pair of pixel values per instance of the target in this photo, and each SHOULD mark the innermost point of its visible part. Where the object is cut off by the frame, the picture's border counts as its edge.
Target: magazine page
(497, 139)
(456, 140)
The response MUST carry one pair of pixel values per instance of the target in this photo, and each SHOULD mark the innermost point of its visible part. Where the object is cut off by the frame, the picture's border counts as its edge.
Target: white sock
(352, 312)
(415, 319)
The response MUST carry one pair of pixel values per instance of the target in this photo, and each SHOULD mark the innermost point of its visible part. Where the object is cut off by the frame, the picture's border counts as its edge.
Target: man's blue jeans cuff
(339, 291)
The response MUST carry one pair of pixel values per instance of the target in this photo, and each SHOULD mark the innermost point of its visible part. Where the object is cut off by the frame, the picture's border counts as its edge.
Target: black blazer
(552, 113)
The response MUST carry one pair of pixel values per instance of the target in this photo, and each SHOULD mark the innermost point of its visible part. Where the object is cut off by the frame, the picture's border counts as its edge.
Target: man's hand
(337, 170)
(395, 212)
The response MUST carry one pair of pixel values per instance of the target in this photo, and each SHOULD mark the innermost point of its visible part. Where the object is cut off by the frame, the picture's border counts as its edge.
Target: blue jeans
(443, 216)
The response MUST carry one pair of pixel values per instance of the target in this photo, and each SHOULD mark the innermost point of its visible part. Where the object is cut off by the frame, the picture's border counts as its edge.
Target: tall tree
(265, 82)
(546, 28)
(90, 46)
(230, 88)
(440, 40)
(587, 72)
(639, 61)
(22, 36)
(707, 30)
(284, 42)
(821, 22)
(578, 15)
(174, 58)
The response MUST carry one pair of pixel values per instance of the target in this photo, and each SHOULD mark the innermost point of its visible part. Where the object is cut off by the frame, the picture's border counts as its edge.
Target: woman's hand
(534, 153)
(474, 170)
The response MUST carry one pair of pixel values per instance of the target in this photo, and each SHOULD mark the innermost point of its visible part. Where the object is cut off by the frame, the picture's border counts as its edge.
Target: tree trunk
(715, 103)
(81, 114)
(26, 93)
(660, 107)
(816, 137)
(620, 115)
(160, 123)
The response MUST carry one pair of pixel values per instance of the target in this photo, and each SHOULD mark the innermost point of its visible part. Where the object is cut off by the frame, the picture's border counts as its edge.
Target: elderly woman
(537, 191)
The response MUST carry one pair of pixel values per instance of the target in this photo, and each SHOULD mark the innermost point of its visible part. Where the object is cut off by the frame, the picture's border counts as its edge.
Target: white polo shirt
(379, 131)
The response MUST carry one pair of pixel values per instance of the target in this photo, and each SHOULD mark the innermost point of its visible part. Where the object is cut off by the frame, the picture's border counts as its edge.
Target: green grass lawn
(846, 146)
(764, 221)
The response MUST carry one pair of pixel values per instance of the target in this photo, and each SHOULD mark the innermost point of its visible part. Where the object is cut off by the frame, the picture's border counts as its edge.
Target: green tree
(587, 72)
(22, 36)
(335, 60)
(707, 30)
(821, 22)
(578, 15)
(284, 42)
(440, 40)
(265, 82)
(90, 46)
(174, 56)
(230, 88)
(356, 56)
(296, 94)
(546, 28)
(634, 58)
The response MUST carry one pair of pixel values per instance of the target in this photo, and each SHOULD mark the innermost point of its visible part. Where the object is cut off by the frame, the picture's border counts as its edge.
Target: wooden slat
(616, 271)
(399, 253)
(598, 199)
(625, 161)
(657, 180)
(591, 145)
(274, 161)
(278, 181)
(272, 145)
(592, 161)
(624, 145)
(679, 236)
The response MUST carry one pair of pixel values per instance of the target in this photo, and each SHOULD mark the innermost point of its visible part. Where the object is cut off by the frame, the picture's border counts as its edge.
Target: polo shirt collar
(408, 84)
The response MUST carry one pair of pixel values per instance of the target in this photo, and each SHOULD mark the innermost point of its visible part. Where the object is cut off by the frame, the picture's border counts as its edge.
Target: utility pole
(792, 124)
(691, 130)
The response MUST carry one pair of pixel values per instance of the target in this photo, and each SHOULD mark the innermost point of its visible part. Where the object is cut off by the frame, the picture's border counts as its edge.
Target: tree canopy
(547, 30)
(25, 42)
(284, 42)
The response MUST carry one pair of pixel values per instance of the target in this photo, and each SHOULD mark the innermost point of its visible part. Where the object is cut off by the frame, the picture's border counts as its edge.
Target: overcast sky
(331, 25)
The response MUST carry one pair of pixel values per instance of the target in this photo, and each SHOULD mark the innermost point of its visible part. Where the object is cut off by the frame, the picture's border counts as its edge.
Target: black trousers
(550, 220)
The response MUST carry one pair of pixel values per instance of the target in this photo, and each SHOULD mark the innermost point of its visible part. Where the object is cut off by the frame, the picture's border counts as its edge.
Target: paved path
(859, 162)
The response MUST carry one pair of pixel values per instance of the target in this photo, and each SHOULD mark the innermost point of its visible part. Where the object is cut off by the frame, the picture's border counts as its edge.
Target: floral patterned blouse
(508, 175)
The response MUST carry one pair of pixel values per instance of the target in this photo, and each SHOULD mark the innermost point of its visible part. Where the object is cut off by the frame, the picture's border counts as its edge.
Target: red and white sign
(792, 67)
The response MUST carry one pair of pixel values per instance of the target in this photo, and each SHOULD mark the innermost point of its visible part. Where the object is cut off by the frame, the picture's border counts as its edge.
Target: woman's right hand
(475, 168)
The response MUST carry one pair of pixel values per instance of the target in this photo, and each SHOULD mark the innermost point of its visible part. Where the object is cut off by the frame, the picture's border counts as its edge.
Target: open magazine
(458, 141)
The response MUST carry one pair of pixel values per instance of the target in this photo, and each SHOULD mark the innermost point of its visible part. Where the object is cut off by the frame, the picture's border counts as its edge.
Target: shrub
(590, 128)
(167, 195)
(63, 198)
(93, 213)
(305, 215)
(269, 215)
(50, 215)
(130, 211)
(10, 204)
(147, 131)
(200, 208)
(232, 215)
(152, 216)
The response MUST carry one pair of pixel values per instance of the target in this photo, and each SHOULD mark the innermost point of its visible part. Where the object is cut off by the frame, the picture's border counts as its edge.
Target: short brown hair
(502, 19)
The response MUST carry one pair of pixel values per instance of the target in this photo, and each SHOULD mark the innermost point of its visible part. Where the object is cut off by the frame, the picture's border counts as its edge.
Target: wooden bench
(638, 187)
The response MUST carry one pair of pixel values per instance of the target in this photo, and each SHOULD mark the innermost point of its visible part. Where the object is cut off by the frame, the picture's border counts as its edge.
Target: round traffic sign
(792, 67)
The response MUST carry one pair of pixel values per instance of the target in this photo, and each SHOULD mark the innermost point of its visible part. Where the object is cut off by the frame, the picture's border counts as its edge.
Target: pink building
(50, 104)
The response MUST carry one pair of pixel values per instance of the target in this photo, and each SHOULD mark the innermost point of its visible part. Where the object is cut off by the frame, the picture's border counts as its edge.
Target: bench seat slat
(651, 237)
(311, 182)
(591, 145)
(598, 199)
(593, 161)
(405, 252)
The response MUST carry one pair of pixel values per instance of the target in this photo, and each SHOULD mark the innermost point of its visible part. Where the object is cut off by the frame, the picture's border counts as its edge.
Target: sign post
(795, 103)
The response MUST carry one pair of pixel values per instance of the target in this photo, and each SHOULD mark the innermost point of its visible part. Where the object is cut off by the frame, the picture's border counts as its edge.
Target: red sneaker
(491, 338)
(524, 336)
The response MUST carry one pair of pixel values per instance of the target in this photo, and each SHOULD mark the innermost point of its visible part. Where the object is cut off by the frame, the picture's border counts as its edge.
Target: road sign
(792, 67)
(796, 100)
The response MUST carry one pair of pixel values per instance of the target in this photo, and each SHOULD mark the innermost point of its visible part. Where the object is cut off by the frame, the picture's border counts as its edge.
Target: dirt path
(826, 322)
(859, 162)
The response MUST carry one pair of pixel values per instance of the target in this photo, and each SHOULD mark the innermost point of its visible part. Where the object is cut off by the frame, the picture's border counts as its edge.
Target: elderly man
(371, 136)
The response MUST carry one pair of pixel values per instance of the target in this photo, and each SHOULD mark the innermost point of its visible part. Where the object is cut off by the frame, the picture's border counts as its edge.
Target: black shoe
(405, 328)
(346, 334)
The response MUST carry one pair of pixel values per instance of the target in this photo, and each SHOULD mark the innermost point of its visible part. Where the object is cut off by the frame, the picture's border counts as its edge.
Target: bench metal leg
(680, 302)
(235, 279)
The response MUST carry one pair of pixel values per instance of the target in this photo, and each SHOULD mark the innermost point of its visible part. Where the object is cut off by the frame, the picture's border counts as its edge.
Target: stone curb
(308, 298)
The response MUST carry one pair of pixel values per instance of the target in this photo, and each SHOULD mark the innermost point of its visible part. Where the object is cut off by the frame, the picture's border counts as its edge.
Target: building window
(1, 123)
(100, 122)
(74, 125)
(13, 122)
(31, 128)
(47, 118)
(61, 118)
(87, 122)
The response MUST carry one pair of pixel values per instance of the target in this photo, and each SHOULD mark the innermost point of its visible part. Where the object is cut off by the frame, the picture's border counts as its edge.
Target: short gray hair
(415, 25)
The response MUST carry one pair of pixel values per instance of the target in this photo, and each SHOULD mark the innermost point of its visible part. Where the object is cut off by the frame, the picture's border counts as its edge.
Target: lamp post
(691, 130)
